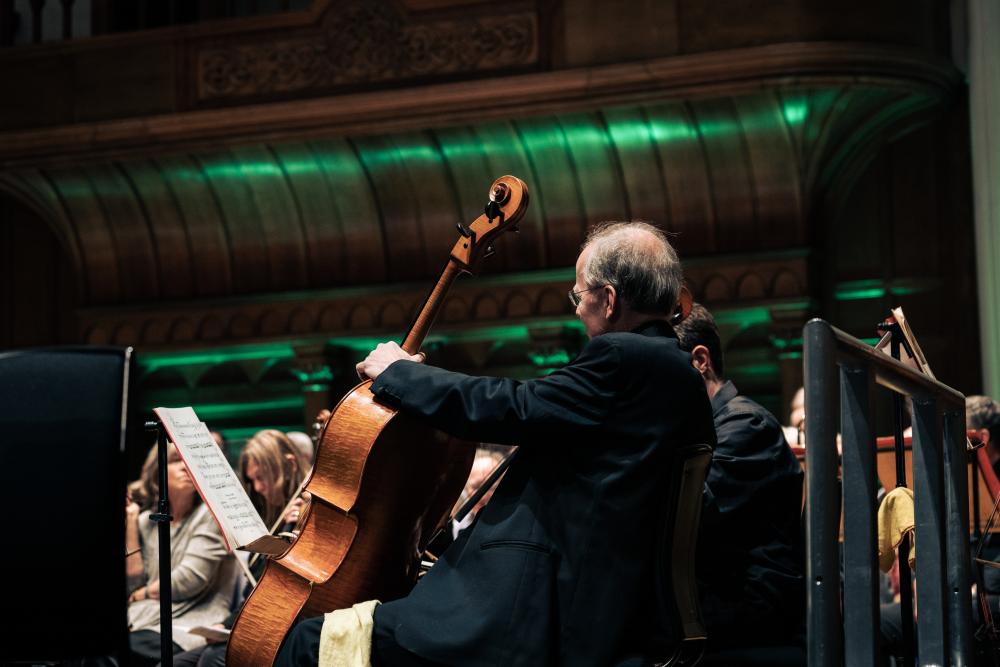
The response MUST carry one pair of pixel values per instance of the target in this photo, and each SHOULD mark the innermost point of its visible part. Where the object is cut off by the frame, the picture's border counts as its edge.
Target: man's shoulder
(747, 413)
(743, 425)
(742, 405)
(629, 341)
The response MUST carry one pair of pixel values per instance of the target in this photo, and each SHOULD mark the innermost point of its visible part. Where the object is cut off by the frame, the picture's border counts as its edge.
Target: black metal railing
(836, 361)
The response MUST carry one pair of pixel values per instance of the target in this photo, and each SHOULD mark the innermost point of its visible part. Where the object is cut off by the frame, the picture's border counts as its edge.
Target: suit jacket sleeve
(500, 410)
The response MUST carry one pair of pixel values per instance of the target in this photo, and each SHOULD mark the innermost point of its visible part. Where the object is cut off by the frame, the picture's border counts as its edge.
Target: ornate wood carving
(364, 42)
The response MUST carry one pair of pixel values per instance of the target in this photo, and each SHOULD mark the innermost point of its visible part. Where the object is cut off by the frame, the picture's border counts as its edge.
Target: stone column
(984, 105)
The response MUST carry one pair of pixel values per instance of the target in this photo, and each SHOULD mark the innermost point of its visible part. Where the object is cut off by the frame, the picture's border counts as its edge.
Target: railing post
(929, 515)
(957, 539)
(825, 638)
(860, 540)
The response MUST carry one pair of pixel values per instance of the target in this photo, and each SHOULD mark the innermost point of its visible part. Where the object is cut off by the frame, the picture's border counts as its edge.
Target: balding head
(638, 261)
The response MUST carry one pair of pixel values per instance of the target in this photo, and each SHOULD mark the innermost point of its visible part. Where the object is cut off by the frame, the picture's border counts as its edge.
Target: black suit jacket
(750, 559)
(556, 567)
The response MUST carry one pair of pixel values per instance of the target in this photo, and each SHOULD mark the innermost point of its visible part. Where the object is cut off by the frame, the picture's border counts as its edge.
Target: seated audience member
(271, 469)
(982, 414)
(203, 572)
(483, 465)
(303, 443)
(145, 491)
(795, 432)
(750, 563)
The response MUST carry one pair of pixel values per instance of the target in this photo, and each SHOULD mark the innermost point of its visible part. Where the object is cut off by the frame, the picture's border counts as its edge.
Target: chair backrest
(678, 605)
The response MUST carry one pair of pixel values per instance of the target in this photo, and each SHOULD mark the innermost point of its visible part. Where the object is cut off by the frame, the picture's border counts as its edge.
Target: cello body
(381, 485)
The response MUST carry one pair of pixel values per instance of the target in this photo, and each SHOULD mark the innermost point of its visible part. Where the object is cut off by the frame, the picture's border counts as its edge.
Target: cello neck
(425, 318)
(508, 201)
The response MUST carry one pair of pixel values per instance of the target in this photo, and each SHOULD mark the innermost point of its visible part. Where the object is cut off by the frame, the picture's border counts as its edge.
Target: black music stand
(62, 489)
(897, 343)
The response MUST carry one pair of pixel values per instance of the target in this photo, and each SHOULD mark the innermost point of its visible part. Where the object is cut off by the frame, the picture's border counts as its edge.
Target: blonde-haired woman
(272, 468)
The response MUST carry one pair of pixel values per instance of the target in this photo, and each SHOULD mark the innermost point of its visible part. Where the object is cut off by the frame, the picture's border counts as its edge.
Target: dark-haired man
(982, 414)
(556, 569)
(750, 564)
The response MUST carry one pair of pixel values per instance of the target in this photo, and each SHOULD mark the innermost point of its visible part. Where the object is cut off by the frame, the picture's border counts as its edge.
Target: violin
(381, 485)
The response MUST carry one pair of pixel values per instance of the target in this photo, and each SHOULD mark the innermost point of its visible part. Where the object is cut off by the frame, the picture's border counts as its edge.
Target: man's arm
(507, 411)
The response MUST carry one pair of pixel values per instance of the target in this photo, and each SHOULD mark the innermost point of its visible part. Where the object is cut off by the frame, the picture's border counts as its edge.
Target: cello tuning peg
(463, 230)
(493, 211)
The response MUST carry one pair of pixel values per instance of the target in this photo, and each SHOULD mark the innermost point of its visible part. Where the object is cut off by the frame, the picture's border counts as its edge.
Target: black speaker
(62, 490)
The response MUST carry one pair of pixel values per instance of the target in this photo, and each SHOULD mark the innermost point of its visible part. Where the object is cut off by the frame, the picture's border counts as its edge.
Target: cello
(381, 485)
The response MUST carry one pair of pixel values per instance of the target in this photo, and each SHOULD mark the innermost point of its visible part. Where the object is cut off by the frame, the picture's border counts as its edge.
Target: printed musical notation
(216, 480)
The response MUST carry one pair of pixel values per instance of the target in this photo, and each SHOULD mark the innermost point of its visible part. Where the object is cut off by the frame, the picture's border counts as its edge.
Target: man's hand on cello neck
(384, 356)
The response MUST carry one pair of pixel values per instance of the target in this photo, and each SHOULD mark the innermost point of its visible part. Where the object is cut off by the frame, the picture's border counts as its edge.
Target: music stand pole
(162, 518)
(902, 558)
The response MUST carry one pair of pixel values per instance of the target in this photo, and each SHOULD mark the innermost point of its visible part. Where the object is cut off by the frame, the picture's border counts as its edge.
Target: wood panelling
(737, 23)
(904, 238)
(727, 174)
(342, 45)
(36, 281)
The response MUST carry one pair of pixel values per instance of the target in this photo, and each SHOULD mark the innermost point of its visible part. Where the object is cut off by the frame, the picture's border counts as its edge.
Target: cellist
(555, 568)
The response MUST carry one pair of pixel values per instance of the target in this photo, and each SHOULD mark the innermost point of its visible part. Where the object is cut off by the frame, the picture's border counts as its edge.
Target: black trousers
(301, 648)
(210, 655)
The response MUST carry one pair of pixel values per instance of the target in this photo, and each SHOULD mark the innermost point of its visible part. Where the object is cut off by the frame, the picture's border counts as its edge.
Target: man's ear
(293, 462)
(613, 307)
(701, 359)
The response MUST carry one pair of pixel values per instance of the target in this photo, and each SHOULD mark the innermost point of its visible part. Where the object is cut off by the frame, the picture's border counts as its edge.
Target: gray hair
(638, 261)
(983, 412)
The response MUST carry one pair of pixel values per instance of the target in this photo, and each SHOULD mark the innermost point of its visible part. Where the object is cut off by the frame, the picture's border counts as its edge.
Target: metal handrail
(836, 362)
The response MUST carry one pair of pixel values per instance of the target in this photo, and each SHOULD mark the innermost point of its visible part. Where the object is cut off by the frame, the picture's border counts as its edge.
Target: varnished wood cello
(381, 485)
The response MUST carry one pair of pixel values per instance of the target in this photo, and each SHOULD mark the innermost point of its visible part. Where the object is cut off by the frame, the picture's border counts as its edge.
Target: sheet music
(215, 478)
(918, 354)
(918, 361)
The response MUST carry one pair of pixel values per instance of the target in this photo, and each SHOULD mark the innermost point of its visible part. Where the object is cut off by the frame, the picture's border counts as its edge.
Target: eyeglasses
(574, 297)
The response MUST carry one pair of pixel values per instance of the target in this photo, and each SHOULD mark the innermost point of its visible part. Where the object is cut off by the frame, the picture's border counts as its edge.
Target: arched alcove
(37, 280)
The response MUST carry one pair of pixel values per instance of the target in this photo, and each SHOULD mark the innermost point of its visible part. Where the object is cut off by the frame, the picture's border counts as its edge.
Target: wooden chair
(677, 606)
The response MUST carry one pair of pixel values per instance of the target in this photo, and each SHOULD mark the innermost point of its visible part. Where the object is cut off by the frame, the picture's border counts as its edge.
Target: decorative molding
(365, 43)
(380, 312)
(714, 74)
(728, 174)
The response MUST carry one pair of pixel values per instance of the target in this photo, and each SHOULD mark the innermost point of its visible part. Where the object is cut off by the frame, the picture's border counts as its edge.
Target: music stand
(62, 487)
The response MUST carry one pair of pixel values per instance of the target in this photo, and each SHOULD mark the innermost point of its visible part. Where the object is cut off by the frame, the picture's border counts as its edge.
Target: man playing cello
(558, 565)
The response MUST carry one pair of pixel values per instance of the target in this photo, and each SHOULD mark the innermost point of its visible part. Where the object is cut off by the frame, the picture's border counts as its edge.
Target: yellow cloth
(895, 520)
(346, 638)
